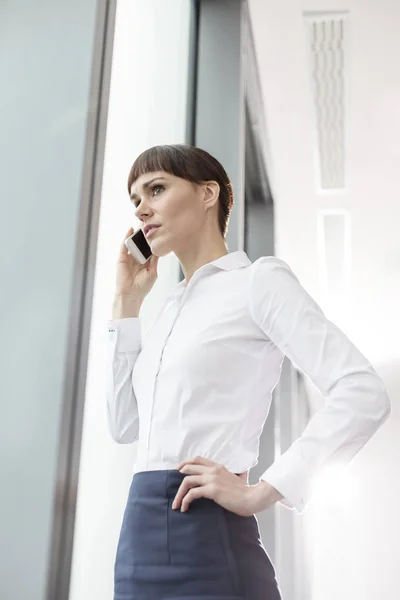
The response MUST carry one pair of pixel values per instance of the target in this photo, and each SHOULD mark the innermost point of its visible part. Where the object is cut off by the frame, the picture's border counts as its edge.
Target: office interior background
(300, 102)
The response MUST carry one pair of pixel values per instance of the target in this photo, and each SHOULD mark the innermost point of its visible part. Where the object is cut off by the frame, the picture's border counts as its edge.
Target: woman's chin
(159, 250)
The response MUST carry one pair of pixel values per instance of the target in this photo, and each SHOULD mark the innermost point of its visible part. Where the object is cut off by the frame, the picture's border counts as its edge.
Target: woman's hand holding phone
(133, 282)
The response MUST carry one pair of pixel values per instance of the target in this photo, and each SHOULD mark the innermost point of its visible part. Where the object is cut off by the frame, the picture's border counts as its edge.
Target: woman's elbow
(382, 405)
(385, 407)
(124, 439)
(124, 435)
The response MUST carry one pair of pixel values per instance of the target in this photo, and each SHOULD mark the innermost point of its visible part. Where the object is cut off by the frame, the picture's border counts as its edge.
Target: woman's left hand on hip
(208, 479)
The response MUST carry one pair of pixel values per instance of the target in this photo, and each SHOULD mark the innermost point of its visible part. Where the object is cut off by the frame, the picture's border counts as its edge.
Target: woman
(197, 394)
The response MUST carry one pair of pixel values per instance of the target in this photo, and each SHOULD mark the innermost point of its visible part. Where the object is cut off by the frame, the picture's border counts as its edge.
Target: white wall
(147, 107)
(354, 523)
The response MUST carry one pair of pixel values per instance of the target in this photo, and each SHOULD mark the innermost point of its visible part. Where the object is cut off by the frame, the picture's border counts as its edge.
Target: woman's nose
(142, 210)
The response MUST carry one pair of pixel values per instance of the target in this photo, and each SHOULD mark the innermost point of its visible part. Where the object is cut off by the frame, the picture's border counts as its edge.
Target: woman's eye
(157, 188)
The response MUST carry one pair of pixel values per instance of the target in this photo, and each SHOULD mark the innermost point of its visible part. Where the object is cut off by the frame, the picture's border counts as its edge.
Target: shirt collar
(232, 260)
(227, 262)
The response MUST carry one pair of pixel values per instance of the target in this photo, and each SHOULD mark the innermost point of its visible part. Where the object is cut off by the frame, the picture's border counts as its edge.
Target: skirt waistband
(163, 483)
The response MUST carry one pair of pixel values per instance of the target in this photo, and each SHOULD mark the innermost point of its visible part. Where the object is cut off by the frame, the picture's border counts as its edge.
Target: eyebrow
(147, 184)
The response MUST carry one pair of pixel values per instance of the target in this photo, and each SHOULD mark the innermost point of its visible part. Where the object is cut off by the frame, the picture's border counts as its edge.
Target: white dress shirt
(201, 384)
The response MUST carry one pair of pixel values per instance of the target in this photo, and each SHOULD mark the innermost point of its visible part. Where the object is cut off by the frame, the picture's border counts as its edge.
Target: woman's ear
(211, 193)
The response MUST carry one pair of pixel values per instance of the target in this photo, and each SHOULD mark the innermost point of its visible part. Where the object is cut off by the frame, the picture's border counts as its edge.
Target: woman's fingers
(188, 483)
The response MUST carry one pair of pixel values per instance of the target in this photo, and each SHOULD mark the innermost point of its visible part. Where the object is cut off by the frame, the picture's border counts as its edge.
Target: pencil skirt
(205, 553)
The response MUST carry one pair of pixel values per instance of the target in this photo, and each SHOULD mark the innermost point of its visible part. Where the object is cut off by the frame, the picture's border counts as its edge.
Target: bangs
(170, 159)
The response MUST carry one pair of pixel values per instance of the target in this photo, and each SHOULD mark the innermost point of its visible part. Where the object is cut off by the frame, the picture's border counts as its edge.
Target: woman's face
(177, 206)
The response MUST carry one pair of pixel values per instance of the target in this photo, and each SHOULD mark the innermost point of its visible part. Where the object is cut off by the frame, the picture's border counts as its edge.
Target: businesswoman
(196, 394)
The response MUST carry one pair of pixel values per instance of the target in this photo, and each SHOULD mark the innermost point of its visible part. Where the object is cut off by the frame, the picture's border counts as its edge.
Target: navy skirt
(205, 553)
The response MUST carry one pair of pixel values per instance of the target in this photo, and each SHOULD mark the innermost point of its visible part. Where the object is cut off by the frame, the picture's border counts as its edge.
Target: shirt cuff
(291, 482)
(125, 334)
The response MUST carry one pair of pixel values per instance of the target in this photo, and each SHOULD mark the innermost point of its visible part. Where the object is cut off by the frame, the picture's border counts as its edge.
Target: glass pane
(44, 108)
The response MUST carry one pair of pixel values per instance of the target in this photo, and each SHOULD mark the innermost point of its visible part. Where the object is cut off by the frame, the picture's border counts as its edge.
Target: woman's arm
(123, 349)
(356, 401)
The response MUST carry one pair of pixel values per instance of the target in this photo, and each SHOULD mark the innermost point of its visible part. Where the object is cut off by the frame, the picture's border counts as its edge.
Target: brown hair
(192, 164)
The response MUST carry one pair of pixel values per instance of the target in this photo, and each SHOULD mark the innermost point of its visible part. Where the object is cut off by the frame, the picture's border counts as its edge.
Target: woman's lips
(152, 230)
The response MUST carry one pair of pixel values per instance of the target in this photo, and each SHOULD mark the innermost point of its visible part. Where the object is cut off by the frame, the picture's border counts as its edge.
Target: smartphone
(139, 248)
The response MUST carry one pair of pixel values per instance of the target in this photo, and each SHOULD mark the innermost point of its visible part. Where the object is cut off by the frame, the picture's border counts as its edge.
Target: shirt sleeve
(356, 402)
(124, 346)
